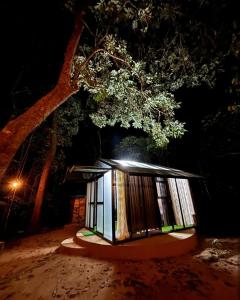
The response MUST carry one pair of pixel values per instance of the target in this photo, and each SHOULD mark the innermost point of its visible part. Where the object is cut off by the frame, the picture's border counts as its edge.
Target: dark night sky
(33, 40)
(34, 35)
(33, 43)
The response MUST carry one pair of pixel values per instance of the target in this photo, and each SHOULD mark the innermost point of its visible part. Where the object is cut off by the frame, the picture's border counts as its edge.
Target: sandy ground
(30, 269)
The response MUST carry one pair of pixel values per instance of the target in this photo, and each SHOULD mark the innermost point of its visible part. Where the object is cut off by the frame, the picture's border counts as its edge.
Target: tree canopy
(136, 54)
(132, 59)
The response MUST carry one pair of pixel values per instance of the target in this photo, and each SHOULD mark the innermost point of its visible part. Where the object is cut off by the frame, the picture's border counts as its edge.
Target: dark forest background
(33, 38)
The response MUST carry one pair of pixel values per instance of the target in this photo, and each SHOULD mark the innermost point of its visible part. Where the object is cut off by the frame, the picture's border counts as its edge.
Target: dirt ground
(30, 269)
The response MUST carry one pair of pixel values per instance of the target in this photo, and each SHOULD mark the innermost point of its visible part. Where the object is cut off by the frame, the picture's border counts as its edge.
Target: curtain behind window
(175, 201)
(136, 204)
(186, 201)
(181, 187)
(121, 225)
(151, 204)
(143, 204)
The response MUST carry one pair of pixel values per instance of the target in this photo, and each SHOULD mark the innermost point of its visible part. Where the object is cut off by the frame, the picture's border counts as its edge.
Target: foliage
(68, 117)
(127, 94)
(139, 53)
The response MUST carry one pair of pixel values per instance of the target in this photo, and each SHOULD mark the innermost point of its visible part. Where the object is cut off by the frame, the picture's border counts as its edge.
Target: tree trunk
(44, 178)
(17, 130)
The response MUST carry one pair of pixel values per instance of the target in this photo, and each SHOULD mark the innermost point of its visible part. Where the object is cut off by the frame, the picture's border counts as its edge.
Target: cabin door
(164, 204)
(96, 206)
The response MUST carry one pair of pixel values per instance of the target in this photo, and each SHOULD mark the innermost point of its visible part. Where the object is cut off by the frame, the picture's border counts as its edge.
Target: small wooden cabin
(128, 200)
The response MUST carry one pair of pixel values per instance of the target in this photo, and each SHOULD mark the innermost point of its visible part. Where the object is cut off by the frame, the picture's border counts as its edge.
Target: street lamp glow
(15, 184)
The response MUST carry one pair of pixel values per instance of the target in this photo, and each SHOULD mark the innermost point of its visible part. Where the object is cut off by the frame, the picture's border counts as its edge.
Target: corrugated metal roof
(134, 167)
(89, 173)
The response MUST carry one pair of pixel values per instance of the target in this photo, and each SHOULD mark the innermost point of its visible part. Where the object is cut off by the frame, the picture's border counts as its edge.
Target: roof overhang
(85, 173)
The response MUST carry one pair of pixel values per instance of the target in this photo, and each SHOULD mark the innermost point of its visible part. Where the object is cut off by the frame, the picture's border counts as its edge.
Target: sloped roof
(90, 173)
(85, 173)
(134, 167)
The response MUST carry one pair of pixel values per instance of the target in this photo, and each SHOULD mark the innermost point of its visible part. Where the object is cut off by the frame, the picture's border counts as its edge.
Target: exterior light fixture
(15, 184)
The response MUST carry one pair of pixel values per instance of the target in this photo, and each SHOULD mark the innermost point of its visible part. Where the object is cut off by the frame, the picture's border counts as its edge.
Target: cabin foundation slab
(162, 246)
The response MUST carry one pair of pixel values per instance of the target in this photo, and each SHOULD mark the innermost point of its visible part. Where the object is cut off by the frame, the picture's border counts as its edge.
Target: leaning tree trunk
(17, 130)
(44, 178)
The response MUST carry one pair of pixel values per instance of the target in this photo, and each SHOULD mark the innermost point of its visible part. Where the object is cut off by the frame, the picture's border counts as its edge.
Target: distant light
(131, 163)
(126, 163)
(15, 184)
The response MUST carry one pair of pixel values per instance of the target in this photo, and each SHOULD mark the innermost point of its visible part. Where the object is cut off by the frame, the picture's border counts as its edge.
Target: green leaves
(126, 94)
(143, 52)
(68, 117)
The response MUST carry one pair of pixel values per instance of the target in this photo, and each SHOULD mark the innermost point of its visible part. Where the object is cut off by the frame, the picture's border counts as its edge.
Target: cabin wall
(153, 205)
(143, 205)
(78, 211)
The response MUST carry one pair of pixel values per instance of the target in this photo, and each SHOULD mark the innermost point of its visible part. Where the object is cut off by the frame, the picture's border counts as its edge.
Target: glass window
(164, 205)
(121, 226)
(91, 216)
(186, 202)
(178, 220)
(107, 191)
(100, 190)
(87, 204)
(100, 218)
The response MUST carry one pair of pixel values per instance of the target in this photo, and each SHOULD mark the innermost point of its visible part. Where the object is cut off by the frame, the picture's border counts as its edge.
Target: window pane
(100, 190)
(175, 202)
(186, 201)
(100, 218)
(87, 204)
(91, 215)
(163, 191)
(92, 192)
(162, 204)
(138, 224)
(121, 225)
(107, 189)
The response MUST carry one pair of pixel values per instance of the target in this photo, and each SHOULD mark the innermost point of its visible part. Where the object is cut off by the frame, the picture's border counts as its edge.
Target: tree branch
(91, 56)
(17, 130)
